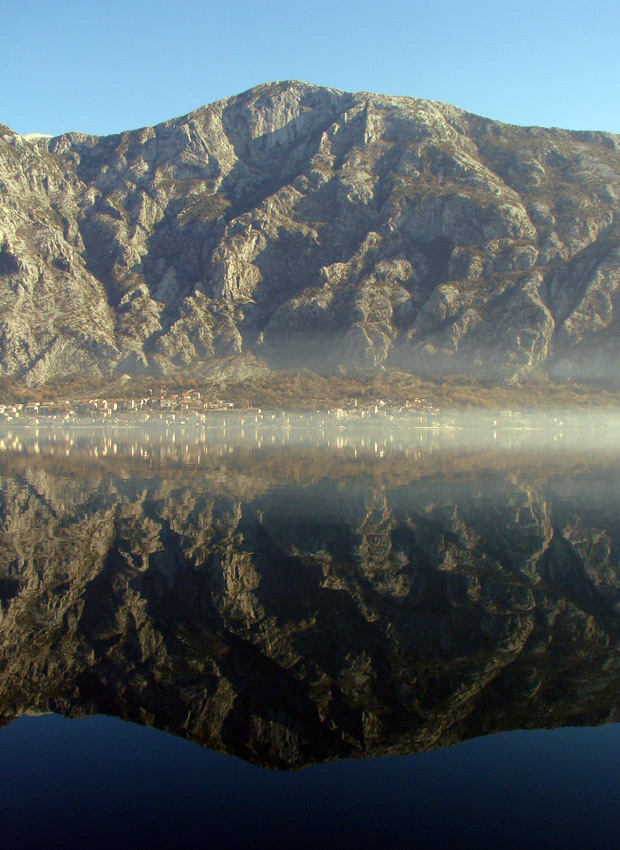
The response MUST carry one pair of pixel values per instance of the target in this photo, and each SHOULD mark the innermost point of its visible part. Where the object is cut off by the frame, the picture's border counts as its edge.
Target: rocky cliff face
(293, 621)
(301, 226)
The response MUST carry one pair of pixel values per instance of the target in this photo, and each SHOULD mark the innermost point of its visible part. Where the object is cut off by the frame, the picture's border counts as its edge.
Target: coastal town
(187, 407)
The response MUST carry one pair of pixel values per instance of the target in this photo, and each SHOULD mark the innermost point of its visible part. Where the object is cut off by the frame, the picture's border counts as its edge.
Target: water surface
(337, 597)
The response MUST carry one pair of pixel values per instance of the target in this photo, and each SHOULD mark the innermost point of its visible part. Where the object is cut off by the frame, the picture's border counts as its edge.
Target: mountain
(298, 226)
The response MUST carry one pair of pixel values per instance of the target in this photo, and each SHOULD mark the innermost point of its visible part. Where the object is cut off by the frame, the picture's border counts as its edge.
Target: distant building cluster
(101, 409)
(185, 405)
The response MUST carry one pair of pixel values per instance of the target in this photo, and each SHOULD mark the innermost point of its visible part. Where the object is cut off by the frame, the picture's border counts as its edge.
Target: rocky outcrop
(261, 608)
(303, 226)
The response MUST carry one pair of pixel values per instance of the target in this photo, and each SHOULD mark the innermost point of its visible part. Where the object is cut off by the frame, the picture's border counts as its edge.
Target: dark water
(102, 783)
(370, 635)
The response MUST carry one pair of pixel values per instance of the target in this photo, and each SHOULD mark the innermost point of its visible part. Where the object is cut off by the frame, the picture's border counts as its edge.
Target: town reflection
(308, 600)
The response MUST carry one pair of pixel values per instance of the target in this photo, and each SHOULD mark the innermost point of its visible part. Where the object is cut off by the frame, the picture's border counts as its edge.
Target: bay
(347, 635)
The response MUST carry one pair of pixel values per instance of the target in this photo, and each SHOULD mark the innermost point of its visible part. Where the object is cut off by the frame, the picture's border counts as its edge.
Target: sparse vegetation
(205, 208)
(306, 390)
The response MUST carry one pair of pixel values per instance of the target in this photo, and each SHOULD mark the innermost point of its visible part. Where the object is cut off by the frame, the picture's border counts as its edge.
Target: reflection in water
(301, 604)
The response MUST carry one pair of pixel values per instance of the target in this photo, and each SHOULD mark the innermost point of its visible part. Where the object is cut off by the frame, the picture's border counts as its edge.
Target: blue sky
(102, 67)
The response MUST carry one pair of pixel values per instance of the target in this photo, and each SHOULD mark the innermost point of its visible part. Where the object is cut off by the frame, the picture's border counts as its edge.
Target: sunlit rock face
(292, 610)
(294, 226)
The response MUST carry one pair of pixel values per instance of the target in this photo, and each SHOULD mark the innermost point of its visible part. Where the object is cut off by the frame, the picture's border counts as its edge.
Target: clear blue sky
(102, 66)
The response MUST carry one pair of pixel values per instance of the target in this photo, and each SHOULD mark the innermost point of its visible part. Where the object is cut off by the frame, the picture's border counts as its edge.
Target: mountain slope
(302, 226)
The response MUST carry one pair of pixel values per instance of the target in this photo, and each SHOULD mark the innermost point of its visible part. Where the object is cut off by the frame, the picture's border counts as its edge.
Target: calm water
(339, 617)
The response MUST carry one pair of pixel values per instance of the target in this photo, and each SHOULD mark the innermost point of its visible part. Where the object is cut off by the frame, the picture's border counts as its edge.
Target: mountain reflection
(293, 605)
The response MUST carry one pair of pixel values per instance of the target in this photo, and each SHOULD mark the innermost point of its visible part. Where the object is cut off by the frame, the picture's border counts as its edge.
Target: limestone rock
(303, 226)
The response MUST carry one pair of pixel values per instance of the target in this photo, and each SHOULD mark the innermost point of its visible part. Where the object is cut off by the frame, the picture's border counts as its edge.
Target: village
(185, 407)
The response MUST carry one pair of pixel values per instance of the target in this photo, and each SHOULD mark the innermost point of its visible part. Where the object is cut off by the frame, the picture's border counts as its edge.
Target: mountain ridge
(297, 226)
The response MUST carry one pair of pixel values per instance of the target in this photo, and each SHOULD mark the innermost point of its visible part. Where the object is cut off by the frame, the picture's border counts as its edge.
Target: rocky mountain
(259, 607)
(298, 226)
